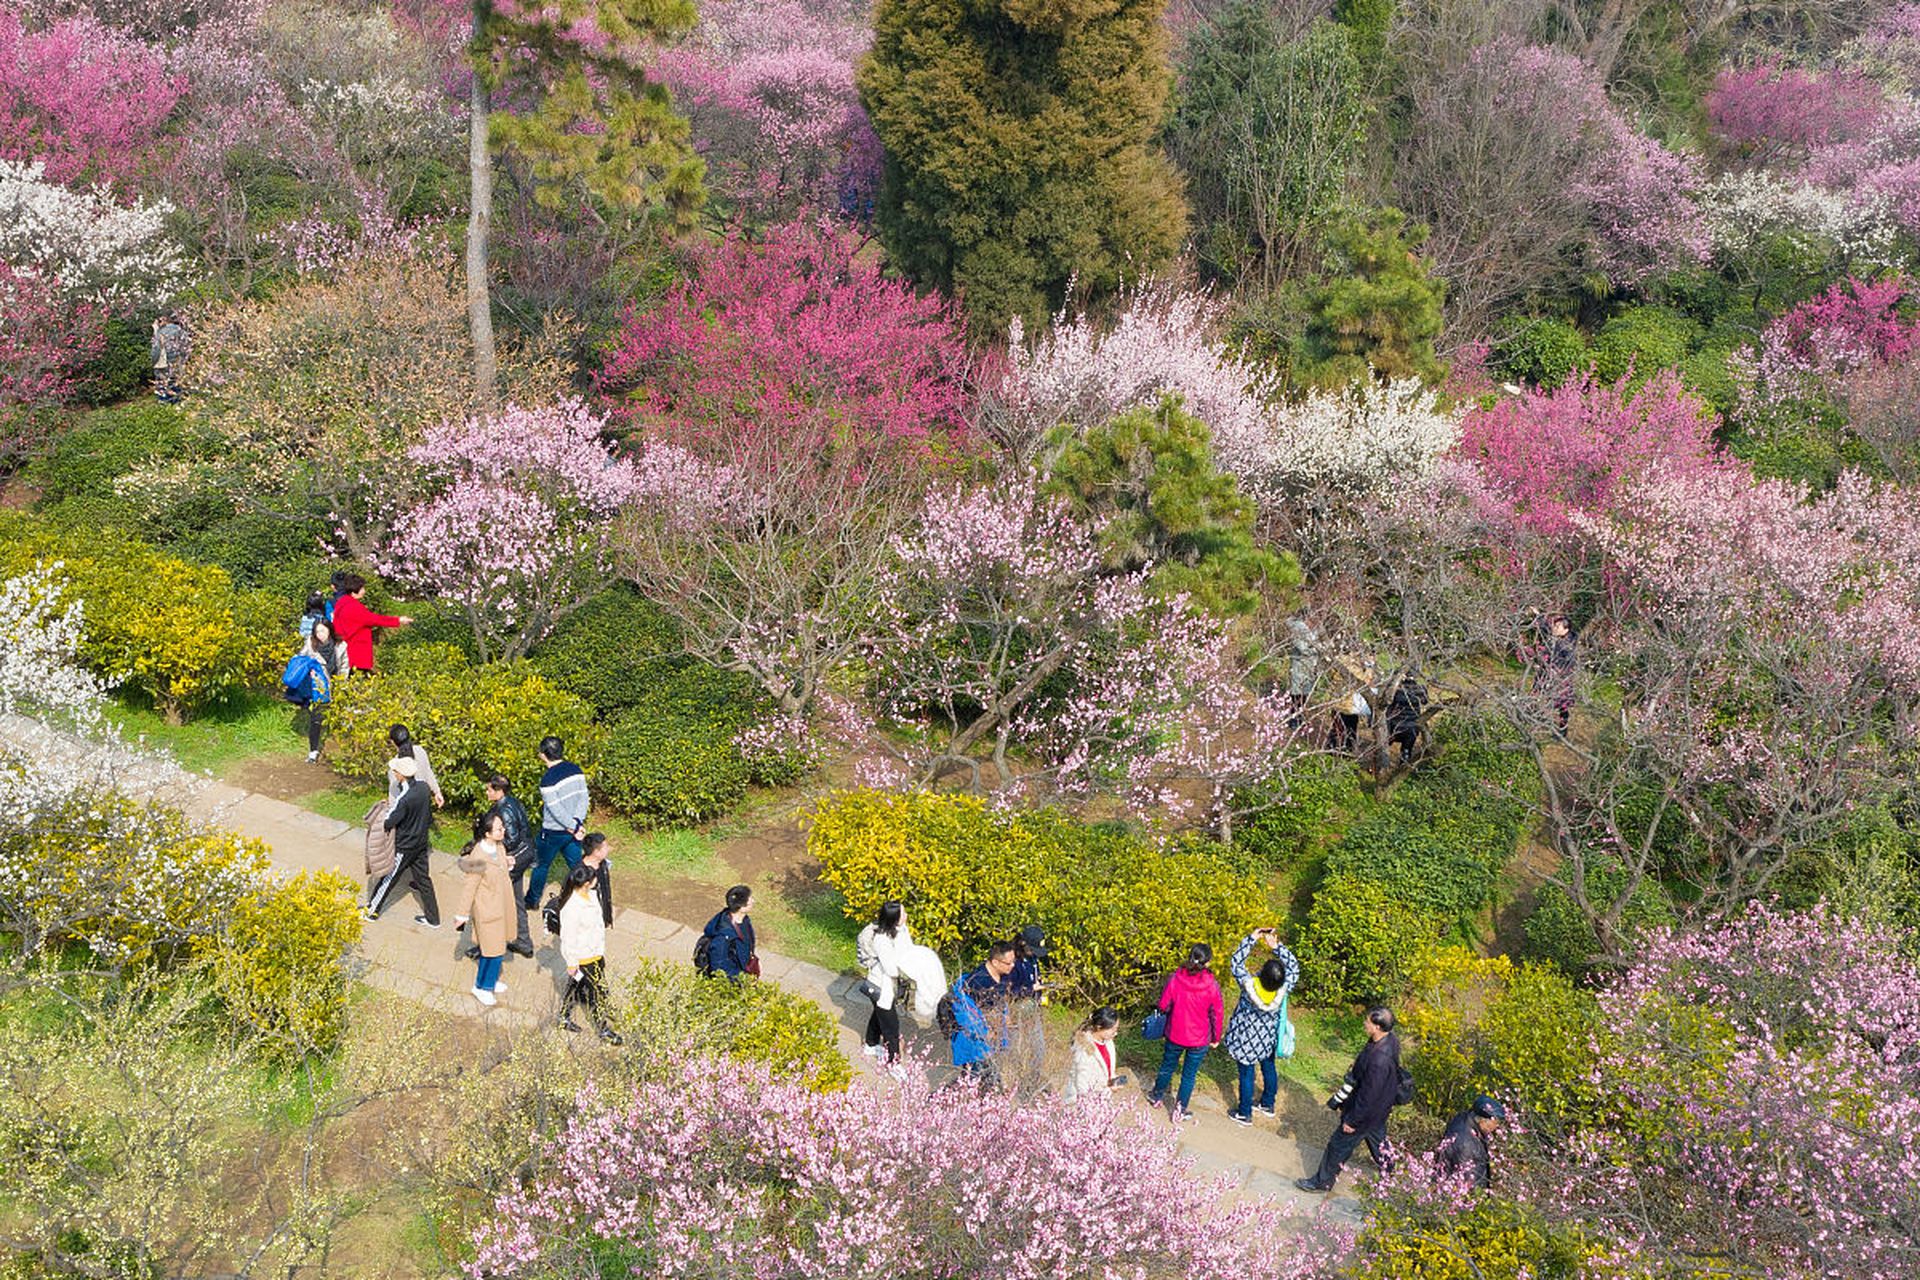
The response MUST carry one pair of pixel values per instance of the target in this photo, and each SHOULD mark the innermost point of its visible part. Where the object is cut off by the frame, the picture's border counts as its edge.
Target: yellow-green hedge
(176, 632)
(279, 964)
(673, 1006)
(1119, 911)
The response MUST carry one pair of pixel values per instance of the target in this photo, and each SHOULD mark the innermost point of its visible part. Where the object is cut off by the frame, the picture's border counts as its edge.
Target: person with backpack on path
(308, 681)
(1258, 1032)
(727, 943)
(410, 819)
(1373, 1087)
(355, 624)
(968, 1012)
(564, 803)
(1196, 1018)
(503, 804)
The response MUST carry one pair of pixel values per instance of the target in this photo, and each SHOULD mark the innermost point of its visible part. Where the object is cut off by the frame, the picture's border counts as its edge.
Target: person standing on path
(596, 854)
(518, 835)
(563, 815)
(355, 623)
(979, 1000)
(1257, 1034)
(729, 937)
(878, 949)
(1091, 1074)
(1196, 1018)
(487, 900)
(1462, 1153)
(1563, 659)
(401, 740)
(410, 819)
(1364, 1102)
(583, 949)
(169, 349)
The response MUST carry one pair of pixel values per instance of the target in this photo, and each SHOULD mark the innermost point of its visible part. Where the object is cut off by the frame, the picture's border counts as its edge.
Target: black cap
(1034, 939)
(1489, 1108)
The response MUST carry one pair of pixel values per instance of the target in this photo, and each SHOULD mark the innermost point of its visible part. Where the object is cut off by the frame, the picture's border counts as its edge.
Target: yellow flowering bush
(673, 1007)
(1491, 1239)
(278, 964)
(1119, 910)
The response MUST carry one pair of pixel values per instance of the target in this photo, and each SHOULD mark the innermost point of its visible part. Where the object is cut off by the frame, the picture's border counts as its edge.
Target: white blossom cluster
(1744, 210)
(100, 251)
(1357, 440)
(384, 112)
(40, 671)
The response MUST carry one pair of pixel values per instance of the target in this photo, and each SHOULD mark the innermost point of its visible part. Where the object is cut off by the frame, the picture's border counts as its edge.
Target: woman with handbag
(1092, 1074)
(1195, 1017)
(879, 949)
(729, 935)
(583, 949)
(1259, 1030)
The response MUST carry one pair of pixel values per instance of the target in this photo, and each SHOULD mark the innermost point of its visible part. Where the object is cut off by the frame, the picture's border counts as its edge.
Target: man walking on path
(1364, 1102)
(1462, 1153)
(410, 819)
(563, 814)
(520, 851)
(979, 1004)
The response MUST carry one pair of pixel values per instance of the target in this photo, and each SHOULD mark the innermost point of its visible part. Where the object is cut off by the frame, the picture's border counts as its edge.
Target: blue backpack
(306, 681)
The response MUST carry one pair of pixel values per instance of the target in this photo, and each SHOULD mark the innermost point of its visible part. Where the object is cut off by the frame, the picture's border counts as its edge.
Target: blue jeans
(1168, 1057)
(552, 842)
(487, 973)
(1269, 1086)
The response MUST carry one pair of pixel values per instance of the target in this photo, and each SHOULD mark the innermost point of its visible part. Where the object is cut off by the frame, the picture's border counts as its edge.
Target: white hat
(403, 765)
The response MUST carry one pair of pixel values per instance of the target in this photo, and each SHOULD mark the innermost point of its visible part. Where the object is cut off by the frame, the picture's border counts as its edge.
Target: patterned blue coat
(1253, 1031)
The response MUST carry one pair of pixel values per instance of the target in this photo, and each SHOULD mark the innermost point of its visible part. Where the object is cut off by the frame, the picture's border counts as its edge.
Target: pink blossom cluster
(795, 345)
(1766, 107)
(318, 245)
(558, 450)
(87, 101)
(45, 338)
(727, 1172)
(1851, 325)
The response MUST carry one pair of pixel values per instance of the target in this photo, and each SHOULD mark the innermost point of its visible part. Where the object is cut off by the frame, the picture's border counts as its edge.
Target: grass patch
(675, 851)
(808, 923)
(246, 726)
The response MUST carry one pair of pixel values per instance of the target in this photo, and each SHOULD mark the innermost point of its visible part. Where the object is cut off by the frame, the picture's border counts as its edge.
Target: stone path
(428, 965)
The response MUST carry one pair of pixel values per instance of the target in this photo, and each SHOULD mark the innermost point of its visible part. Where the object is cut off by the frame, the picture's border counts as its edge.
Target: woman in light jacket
(1196, 1017)
(404, 745)
(880, 948)
(1092, 1074)
(487, 901)
(1254, 1031)
(583, 948)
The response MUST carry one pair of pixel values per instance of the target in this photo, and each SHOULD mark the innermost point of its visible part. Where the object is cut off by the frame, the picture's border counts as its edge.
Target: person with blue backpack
(308, 680)
(1258, 1033)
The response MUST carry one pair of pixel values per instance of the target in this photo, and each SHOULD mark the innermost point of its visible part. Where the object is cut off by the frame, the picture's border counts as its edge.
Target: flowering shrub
(120, 258)
(1120, 910)
(40, 638)
(1765, 108)
(44, 341)
(83, 99)
(1850, 325)
(279, 963)
(682, 1179)
(681, 1016)
(1747, 213)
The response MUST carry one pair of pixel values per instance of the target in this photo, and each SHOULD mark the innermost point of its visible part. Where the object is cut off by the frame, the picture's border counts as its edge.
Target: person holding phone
(1256, 1033)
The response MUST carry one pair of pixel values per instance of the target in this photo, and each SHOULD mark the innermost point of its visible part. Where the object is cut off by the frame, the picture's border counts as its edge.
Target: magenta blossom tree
(1767, 110)
(728, 1174)
(1851, 325)
(517, 522)
(84, 99)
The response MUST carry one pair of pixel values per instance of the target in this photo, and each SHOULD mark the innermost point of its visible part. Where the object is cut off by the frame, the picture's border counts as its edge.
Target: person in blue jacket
(308, 680)
(730, 947)
(979, 1003)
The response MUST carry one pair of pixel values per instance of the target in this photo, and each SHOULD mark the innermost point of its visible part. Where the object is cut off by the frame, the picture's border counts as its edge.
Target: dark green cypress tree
(1020, 144)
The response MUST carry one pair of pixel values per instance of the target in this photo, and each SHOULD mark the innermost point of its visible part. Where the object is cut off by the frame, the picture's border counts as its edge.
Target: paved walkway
(427, 965)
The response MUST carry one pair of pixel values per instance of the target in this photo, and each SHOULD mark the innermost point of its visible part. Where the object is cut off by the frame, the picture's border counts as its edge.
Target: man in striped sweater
(563, 815)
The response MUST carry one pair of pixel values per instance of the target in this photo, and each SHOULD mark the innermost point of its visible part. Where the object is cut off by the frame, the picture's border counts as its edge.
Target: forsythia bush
(177, 632)
(675, 1010)
(1490, 1239)
(278, 964)
(472, 720)
(1118, 910)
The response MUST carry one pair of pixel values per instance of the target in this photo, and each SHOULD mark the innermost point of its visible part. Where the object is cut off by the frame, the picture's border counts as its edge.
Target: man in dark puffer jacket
(1364, 1103)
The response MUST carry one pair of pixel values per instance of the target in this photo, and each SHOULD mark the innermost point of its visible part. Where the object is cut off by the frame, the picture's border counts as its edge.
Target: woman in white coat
(583, 949)
(1092, 1074)
(880, 948)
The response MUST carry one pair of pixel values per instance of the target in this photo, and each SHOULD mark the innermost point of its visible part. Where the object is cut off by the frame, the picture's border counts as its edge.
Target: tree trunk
(479, 224)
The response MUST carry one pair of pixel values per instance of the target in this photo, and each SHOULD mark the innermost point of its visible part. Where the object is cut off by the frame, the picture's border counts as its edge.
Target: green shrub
(678, 1013)
(174, 632)
(280, 963)
(1543, 351)
(437, 625)
(1705, 373)
(671, 769)
(1642, 341)
(1409, 1237)
(120, 370)
(1803, 440)
(246, 544)
(612, 652)
(474, 721)
(1120, 910)
(101, 446)
(1361, 943)
(1322, 796)
(1557, 931)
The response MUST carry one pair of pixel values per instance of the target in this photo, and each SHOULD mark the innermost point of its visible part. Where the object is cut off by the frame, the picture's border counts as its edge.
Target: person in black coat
(1462, 1152)
(520, 850)
(1364, 1102)
(411, 820)
(730, 942)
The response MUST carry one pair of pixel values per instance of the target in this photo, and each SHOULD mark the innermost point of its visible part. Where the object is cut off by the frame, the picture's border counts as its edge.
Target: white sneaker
(875, 1050)
(897, 1071)
(498, 987)
(484, 997)
(312, 757)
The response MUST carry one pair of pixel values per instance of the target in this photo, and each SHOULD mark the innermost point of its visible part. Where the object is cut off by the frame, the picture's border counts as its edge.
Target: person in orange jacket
(353, 622)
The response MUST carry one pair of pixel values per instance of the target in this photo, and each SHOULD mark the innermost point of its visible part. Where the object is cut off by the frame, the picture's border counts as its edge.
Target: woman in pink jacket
(1196, 1017)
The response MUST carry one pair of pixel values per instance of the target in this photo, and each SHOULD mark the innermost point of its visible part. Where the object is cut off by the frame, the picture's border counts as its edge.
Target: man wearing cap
(1462, 1153)
(410, 818)
(1025, 993)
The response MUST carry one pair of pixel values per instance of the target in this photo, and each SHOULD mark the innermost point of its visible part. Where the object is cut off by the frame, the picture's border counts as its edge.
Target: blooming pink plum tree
(44, 340)
(728, 1173)
(1768, 110)
(83, 99)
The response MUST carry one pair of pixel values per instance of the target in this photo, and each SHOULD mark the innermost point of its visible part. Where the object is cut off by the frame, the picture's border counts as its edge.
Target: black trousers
(883, 1027)
(1341, 1146)
(518, 870)
(316, 725)
(413, 866)
(587, 991)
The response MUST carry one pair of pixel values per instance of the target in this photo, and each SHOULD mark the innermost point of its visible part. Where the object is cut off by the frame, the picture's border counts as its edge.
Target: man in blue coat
(1364, 1103)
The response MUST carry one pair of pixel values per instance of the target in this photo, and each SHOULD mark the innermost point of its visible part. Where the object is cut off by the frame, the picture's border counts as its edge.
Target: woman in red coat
(353, 622)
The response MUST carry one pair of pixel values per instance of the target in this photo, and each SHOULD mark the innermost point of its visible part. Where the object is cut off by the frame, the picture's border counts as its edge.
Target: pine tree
(1378, 311)
(1020, 148)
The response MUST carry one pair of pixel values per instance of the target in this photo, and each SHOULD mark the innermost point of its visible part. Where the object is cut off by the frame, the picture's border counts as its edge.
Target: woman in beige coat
(487, 900)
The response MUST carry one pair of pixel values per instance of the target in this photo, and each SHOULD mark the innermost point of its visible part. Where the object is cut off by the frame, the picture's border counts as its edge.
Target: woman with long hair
(404, 747)
(880, 948)
(583, 948)
(487, 901)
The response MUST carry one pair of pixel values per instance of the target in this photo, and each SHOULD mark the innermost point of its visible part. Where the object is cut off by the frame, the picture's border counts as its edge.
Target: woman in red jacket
(353, 622)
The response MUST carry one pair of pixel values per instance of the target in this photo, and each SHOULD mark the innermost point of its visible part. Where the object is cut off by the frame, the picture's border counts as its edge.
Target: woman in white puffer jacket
(880, 949)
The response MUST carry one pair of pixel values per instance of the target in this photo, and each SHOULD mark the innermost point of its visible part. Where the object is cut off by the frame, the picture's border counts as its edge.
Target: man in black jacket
(1364, 1102)
(1462, 1152)
(520, 851)
(411, 820)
